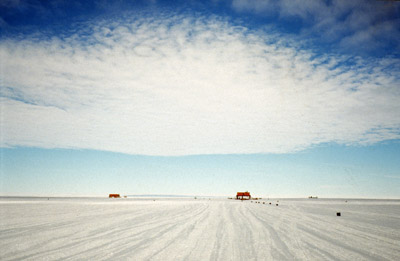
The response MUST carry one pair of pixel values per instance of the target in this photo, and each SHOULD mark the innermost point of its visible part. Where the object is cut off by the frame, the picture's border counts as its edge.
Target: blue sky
(281, 98)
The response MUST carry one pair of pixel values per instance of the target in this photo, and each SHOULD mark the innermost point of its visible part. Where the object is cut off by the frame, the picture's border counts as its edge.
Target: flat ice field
(202, 229)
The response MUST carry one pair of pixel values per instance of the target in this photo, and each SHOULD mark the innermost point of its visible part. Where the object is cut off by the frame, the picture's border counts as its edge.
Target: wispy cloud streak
(177, 85)
(357, 26)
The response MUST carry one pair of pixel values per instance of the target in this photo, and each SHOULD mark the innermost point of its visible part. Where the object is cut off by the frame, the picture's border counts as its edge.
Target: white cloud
(179, 86)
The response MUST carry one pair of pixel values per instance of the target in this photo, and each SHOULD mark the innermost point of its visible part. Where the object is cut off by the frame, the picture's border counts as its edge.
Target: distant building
(243, 195)
(114, 196)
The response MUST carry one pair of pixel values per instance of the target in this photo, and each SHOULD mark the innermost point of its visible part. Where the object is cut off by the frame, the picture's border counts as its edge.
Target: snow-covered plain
(201, 229)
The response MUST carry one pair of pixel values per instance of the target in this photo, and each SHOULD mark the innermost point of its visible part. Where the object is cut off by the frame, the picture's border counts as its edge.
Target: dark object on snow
(338, 214)
(270, 203)
(277, 204)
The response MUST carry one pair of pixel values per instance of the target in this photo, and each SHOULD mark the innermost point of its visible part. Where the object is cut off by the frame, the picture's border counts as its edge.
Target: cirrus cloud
(178, 85)
(359, 26)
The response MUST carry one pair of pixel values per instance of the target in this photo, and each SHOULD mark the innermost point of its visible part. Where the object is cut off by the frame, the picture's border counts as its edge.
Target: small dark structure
(114, 196)
(338, 214)
(243, 195)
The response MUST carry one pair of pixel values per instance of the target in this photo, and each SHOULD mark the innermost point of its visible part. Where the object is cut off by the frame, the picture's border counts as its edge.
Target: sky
(280, 98)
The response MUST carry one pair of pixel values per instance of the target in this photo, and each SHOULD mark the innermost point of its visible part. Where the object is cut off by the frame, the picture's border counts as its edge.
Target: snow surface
(201, 229)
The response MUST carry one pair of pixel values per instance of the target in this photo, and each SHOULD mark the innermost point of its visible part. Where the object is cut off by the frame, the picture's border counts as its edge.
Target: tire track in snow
(166, 229)
(96, 242)
(177, 237)
(279, 249)
(335, 232)
(334, 244)
(197, 230)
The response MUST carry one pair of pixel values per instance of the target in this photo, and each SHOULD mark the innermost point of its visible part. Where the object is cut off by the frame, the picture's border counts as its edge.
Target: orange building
(114, 196)
(243, 195)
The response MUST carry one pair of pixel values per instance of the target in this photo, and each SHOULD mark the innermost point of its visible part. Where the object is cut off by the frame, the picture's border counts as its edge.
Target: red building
(243, 195)
(114, 196)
